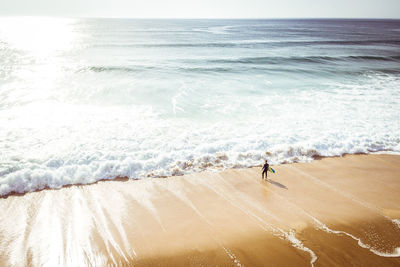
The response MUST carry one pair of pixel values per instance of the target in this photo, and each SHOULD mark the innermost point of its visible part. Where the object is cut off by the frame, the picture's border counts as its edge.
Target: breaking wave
(88, 168)
(86, 100)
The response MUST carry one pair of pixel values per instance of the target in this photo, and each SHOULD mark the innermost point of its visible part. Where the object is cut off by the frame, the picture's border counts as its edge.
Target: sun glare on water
(34, 47)
(38, 36)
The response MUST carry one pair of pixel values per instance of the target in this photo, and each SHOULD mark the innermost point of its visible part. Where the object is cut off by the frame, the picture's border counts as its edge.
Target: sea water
(88, 99)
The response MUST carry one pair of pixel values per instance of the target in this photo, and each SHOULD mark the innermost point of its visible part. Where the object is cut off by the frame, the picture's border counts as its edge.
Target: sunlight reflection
(37, 35)
(35, 48)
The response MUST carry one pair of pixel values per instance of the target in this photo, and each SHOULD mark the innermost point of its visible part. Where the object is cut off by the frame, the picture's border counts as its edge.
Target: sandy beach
(337, 211)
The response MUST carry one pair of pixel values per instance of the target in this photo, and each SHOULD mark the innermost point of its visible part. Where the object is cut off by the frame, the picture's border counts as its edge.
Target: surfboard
(271, 170)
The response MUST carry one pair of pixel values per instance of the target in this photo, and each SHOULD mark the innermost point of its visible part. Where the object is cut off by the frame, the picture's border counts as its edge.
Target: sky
(204, 8)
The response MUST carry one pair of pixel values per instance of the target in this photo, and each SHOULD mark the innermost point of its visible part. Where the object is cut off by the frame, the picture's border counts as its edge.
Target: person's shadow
(276, 183)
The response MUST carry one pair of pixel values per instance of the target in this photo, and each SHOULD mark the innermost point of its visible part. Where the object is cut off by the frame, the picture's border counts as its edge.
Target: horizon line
(209, 18)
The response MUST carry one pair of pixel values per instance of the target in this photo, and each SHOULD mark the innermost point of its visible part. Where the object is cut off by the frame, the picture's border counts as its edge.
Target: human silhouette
(265, 169)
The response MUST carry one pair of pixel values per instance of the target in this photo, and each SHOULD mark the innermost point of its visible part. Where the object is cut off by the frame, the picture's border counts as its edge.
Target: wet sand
(331, 212)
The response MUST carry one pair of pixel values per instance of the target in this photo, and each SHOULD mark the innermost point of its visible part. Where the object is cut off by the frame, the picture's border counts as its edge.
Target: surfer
(265, 169)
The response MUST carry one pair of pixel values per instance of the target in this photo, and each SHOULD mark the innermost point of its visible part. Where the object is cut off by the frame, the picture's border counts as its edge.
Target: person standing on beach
(265, 169)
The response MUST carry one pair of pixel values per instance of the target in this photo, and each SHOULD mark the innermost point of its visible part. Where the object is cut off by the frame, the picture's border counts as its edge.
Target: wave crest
(57, 173)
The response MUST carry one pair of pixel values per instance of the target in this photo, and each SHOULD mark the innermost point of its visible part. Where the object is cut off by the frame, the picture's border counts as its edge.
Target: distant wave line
(274, 64)
(311, 59)
(252, 44)
(281, 69)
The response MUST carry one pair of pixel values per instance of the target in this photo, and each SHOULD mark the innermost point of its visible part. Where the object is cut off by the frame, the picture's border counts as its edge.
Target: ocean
(83, 100)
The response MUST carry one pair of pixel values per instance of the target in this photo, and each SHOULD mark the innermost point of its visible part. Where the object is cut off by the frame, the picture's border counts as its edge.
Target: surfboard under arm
(271, 170)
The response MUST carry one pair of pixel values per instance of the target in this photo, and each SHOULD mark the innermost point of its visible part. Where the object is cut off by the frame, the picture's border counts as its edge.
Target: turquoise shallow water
(89, 99)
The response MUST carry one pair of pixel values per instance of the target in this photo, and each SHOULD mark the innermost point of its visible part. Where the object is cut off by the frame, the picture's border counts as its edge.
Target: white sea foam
(395, 253)
(396, 222)
(233, 257)
(83, 145)
(298, 244)
(74, 108)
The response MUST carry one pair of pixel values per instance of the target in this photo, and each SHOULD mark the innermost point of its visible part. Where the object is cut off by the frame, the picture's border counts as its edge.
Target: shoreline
(211, 170)
(333, 211)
